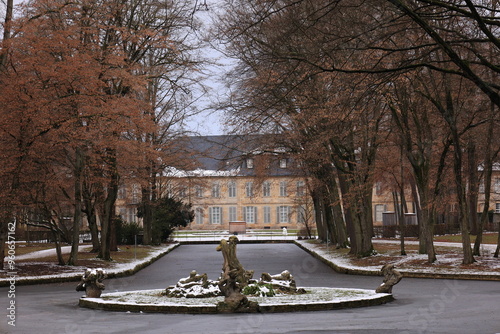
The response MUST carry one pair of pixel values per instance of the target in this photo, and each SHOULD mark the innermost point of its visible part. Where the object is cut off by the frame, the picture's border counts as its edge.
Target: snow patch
(313, 296)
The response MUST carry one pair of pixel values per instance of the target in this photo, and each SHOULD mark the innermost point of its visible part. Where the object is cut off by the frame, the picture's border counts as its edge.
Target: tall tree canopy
(83, 91)
(334, 73)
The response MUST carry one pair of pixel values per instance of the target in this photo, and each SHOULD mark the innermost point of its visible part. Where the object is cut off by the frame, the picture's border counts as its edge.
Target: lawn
(449, 258)
(123, 255)
(488, 238)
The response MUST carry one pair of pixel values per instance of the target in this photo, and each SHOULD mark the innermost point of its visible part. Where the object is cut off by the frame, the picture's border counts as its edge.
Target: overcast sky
(211, 122)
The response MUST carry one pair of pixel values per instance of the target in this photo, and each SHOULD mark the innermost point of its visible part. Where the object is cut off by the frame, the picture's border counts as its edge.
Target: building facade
(242, 179)
(270, 203)
(235, 179)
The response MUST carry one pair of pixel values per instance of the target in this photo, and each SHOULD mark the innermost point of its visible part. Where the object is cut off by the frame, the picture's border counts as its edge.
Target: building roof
(226, 155)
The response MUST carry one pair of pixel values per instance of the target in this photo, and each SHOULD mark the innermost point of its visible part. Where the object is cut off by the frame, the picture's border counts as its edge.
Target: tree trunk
(337, 218)
(57, 241)
(422, 247)
(487, 173)
(403, 208)
(147, 216)
(108, 207)
(363, 234)
(329, 216)
(105, 252)
(94, 231)
(5, 215)
(498, 244)
(463, 220)
(429, 235)
(352, 229)
(367, 224)
(4, 232)
(6, 34)
(428, 217)
(459, 188)
(77, 215)
(113, 244)
(476, 251)
(358, 210)
(318, 213)
(89, 200)
(330, 224)
(472, 190)
(400, 211)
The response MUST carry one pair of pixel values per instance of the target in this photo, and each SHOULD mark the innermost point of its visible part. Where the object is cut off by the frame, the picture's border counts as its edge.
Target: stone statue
(233, 279)
(283, 282)
(231, 262)
(194, 286)
(391, 278)
(91, 282)
(194, 279)
(231, 289)
(284, 276)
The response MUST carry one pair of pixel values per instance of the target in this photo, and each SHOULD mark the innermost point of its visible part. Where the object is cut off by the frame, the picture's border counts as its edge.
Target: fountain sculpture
(234, 292)
(235, 283)
(91, 282)
(391, 278)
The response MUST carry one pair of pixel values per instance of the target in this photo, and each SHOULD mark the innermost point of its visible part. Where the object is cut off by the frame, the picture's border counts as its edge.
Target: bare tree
(5, 214)
(286, 44)
(321, 111)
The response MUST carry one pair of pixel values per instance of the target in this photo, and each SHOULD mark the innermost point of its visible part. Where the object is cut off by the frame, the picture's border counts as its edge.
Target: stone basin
(316, 299)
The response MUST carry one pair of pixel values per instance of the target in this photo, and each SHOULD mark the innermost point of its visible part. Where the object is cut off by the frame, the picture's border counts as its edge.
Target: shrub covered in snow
(259, 290)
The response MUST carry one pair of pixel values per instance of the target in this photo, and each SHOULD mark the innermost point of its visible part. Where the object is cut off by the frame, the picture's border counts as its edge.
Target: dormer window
(283, 163)
(250, 163)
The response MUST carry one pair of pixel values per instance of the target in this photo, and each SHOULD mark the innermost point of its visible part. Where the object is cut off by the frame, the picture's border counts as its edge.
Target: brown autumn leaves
(88, 99)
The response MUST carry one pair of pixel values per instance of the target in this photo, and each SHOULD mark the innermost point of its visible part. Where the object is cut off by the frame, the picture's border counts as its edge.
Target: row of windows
(135, 195)
(250, 190)
(283, 214)
(379, 190)
(496, 186)
(381, 208)
(250, 215)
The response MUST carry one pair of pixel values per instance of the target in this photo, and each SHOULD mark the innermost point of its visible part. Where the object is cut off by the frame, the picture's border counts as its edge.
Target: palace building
(232, 178)
(240, 179)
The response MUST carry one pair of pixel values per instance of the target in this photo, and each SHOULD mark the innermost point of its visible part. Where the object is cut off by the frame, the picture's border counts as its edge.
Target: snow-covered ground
(48, 252)
(446, 264)
(317, 295)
